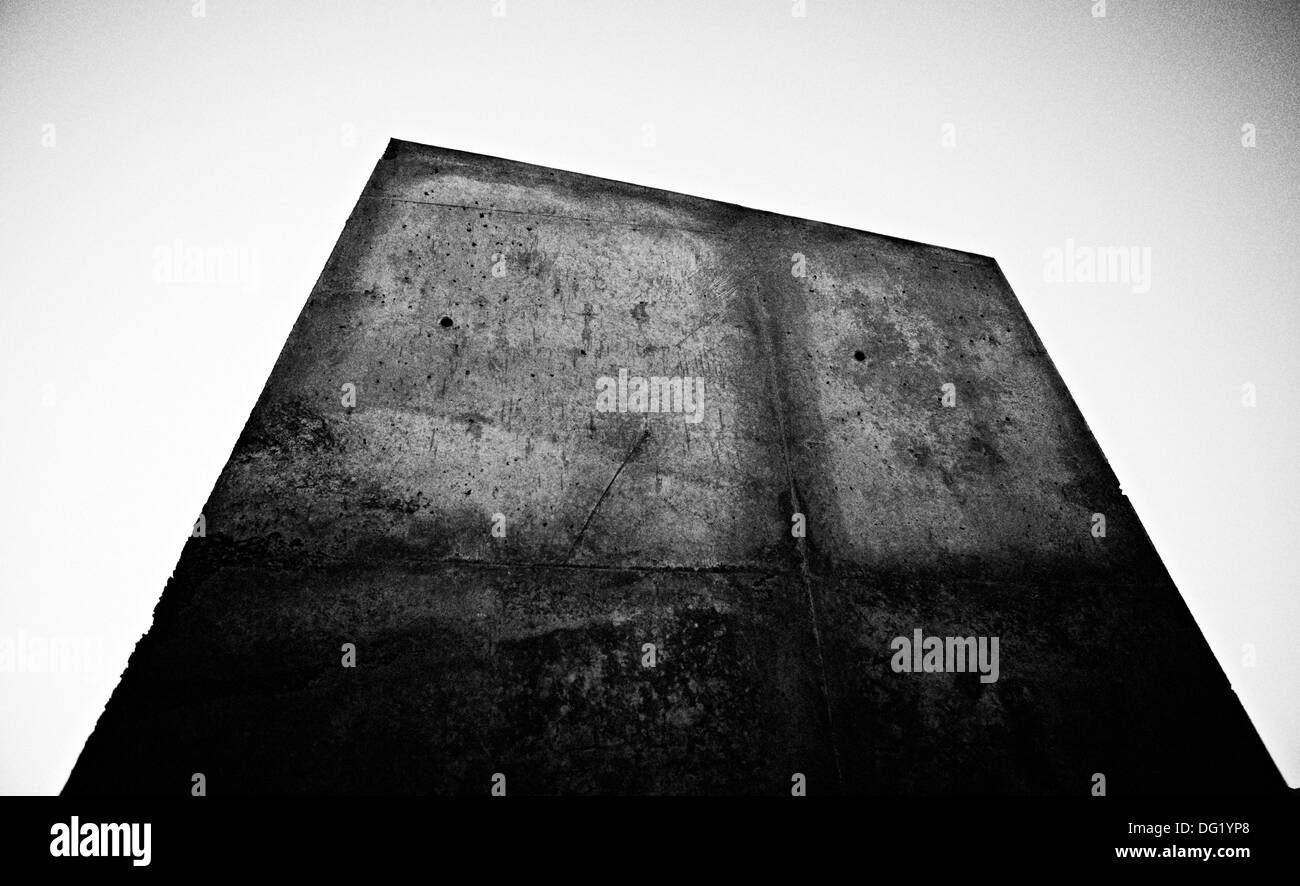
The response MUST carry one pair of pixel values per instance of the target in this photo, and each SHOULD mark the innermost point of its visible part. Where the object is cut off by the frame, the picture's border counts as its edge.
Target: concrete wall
(473, 303)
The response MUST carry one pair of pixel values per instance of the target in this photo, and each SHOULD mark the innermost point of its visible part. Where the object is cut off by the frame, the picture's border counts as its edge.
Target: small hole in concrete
(859, 356)
(445, 322)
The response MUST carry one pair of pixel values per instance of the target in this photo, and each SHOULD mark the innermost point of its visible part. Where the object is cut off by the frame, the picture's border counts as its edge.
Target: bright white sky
(123, 393)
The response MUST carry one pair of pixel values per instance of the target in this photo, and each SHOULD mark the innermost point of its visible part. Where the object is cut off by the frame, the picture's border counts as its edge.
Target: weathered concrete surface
(475, 396)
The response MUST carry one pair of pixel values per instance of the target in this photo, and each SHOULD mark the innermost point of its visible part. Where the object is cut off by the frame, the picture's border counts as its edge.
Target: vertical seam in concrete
(768, 346)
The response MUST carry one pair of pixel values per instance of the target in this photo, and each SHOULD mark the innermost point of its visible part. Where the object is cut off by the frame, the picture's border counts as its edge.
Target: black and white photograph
(420, 414)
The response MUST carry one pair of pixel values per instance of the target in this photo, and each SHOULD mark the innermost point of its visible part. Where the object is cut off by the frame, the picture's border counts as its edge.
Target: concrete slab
(433, 475)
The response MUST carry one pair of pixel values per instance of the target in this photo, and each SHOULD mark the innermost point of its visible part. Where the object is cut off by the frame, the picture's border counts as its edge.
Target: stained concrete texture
(442, 382)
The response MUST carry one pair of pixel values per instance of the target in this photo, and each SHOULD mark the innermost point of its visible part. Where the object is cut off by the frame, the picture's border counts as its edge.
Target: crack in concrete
(636, 448)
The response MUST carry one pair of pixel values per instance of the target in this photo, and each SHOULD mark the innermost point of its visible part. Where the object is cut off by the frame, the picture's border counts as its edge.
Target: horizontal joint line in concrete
(545, 215)
(542, 564)
(597, 567)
